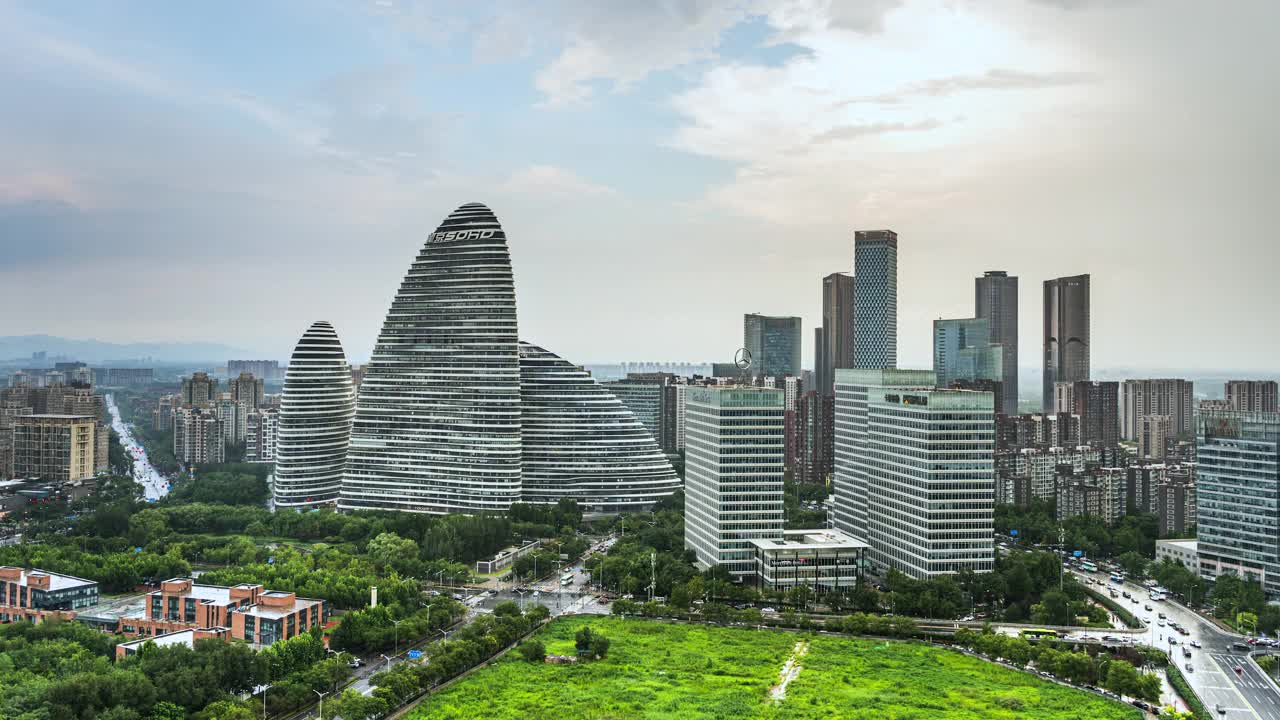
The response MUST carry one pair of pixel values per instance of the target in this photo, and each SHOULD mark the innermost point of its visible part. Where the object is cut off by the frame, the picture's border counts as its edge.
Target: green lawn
(659, 670)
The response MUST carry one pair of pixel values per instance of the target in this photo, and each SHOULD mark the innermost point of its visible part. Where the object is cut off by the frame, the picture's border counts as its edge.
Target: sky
(232, 172)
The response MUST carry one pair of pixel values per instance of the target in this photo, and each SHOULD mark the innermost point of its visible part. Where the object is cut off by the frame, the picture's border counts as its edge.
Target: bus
(1088, 566)
(1039, 633)
(567, 579)
(1117, 578)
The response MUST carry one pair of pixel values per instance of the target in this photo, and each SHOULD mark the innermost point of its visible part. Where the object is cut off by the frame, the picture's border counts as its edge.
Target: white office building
(733, 474)
(917, 465)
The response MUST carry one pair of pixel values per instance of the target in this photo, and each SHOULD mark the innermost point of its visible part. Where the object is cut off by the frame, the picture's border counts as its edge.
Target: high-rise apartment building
(962, 350)
(996, 301)
(263, 431)
(1097, 403)
(1154, 434)
(774, 344)
(1165, 396)
(246, 389)
(1251, 395)
(314, 425)
(834, 347)
(268, 370)
(234, 416)
(199, 389)
(921, 461)
(814, 440)
(875, 303)
(1066, 332)
(1176, 503)
(733, 474)
(56, 448)
(198, 436)
(1238, 488)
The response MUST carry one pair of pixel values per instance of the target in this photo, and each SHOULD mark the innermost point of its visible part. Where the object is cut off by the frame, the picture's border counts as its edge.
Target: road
(154, 485)
(574, 597)
(1248, 695)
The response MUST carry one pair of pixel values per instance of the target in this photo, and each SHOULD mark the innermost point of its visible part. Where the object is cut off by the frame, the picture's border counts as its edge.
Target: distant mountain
(20, 347)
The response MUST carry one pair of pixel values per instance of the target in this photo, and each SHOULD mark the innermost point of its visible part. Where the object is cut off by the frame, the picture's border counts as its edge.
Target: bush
(533, 651)
(1189, 696)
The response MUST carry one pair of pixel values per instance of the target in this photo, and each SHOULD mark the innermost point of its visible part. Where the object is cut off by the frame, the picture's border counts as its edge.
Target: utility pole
(653, 574)
(1062, 545)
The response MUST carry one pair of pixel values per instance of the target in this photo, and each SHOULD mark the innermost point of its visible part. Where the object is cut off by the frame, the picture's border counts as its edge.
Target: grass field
(659, 670)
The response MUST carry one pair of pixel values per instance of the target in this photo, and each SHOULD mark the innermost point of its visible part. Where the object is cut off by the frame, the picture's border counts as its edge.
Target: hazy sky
(234, 171)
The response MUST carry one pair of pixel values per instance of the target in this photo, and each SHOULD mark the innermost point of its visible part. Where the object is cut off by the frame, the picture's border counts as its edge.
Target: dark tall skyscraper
(774, 344)
(875, 303)
(836, 347)
(1098, 406)
(1066, 332)
(995, 299)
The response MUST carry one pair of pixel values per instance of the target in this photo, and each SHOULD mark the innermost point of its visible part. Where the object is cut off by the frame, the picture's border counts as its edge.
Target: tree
(599, 646)
(582, 639)
(389, 550)
(166, 710)
(1053, 609)
(532, 650)
(1134, 564)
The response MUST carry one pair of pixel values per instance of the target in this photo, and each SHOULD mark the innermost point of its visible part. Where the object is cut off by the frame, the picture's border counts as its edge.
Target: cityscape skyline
(367, 151)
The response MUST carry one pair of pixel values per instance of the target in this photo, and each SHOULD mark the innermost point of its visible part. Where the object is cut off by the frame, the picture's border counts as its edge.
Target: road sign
(1077, 553)
(1013, 533)
(415, 654)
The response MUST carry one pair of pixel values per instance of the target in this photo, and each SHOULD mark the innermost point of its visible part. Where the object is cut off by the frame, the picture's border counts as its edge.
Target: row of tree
(1116, 673)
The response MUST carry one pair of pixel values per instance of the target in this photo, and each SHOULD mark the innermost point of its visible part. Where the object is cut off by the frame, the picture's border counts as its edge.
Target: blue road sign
(1077, 553)
(1013, 533)
(415, 654)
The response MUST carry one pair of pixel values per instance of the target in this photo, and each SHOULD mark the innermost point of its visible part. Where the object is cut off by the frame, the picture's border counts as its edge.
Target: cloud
(994, 79)
(853, 132)
(622, 42)
(550, 180)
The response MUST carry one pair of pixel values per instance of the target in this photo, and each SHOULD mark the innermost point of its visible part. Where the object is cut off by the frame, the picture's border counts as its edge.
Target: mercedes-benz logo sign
(742, 358)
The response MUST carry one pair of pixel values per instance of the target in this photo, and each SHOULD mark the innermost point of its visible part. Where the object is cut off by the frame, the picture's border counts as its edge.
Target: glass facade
(1238, 489)
(875, 304)
(774, 344)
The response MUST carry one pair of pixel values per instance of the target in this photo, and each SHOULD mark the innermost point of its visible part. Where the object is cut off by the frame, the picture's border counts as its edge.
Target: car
(1239, 671)
(1221, 710)
(768, 610)
(1190, 668)
(1195, 643)
(1161, 616)
(1147, 608)
(355, 663)
(1160, 623)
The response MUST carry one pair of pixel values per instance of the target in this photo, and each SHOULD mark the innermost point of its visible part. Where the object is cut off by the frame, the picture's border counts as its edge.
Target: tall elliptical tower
(454, 415)
(1066, 332)
(315, 421)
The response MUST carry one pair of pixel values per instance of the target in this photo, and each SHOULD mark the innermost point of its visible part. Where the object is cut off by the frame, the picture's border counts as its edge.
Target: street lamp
(396, 632)
(321, 694)
(265, 688)
(384, 657)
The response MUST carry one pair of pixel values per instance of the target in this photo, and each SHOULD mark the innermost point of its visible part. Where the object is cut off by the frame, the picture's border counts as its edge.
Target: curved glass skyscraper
(453, 416)
(315, 421)
(437, 426)
(581, 442)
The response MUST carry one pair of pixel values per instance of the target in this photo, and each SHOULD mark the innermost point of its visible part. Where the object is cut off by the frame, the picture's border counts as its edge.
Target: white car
(1195, 644)
(768, 610)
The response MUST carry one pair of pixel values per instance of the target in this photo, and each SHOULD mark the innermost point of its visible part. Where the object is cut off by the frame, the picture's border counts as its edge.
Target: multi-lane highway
(154, 485)
(1246, 694)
